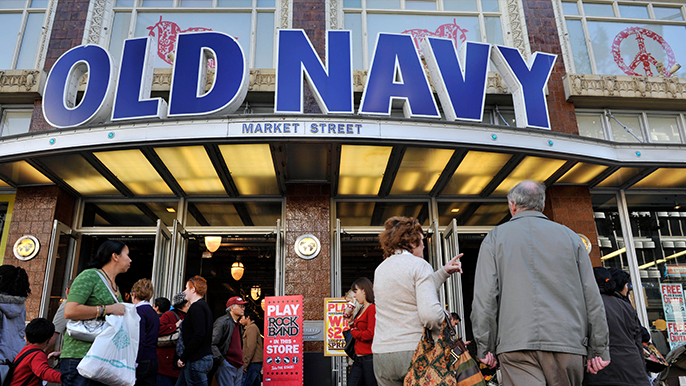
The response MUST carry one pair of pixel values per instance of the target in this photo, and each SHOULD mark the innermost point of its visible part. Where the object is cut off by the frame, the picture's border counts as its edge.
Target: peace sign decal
(643, 58)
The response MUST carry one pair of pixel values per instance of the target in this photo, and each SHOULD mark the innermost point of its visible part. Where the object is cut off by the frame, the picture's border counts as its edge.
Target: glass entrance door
(162, 261)
(61, 258)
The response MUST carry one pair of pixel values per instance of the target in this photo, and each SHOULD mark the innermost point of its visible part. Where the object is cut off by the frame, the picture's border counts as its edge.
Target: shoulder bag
(655, 362)
(172, 339)
(445, 362)
(87, 330)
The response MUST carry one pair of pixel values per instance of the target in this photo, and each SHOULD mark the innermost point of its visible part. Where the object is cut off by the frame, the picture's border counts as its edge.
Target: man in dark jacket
(196, 359)
(227, 336)
(536, 304)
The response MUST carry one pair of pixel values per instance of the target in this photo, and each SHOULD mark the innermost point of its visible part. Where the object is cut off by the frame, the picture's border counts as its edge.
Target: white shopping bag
(112, 357)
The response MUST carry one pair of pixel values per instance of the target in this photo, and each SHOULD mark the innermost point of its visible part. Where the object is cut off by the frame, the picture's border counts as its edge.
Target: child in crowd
(34, 367)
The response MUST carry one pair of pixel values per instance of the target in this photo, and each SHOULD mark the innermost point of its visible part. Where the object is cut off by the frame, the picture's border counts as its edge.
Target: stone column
(308, 211)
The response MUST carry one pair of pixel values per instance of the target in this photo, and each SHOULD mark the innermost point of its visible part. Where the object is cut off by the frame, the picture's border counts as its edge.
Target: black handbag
(349, 344)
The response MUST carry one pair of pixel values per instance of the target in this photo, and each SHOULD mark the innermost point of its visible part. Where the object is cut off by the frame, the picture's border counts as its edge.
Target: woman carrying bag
(92, 296)
(362, 329)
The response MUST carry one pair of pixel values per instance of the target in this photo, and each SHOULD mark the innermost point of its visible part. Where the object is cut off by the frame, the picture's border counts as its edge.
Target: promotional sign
(334, 325)
(283, 341)
(675, 313)
(675, 271)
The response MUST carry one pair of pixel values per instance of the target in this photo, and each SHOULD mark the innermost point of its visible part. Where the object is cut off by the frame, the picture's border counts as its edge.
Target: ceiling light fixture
(255, 292)
(206, 255)
(237, 269)
(454, 210)
(212, 243)
(171, 210)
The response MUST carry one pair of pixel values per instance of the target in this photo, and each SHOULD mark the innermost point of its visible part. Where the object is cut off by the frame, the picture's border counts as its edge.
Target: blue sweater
(150, 325)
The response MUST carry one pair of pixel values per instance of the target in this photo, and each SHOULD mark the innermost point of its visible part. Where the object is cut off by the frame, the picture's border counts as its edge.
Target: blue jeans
(227, 375)
(195, 373)
(71, 376)
(252, 376)
(362, 371)
(165, 380)
(146, 372)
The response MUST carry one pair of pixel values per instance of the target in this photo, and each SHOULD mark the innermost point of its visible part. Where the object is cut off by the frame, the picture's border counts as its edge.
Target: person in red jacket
(169, 323)
(362, 329)
(34, 368)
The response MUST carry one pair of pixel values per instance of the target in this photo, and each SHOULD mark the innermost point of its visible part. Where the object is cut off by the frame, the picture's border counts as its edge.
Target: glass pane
(582, 62)
(531, 168)
(16, 122)
(125, 3)
(630, 121)
(159, 25)
(29, 43)
(362, 169)
(192, 168)
(251, 168)
(420, 169)
(570, 8)
(157, 3)
(668, 13)
(39, 3)
(21, 173)
(266, 3)
(506, 116)
(420, 4)
(631, 49)
(265, 40)
(459, 5)
(352, 3)
(12, 4)
(590, 126)
(494, 33)
(133, 169)
(619, 177)
(475, 172)
(388, 4)
(599, 10)
(9, 26)
(353, 22)
(234, 3)
(80, 175)
(116, 215)
(663, 178)
(490, 6)
(582, 173)
(664, 129)
(196, 3)
(635, 11)
(264, 213)
(120, 32)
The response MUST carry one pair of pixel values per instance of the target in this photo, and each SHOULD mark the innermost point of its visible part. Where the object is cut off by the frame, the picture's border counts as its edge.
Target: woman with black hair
(14, 289)
(93, 294)
(362, 329)
(627, 366)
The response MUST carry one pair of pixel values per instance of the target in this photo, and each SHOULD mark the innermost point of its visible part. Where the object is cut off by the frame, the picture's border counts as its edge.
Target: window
(648, 127)
(251, 22)
(624, 38)
(26, 20)
(460, 20)
(14, 121)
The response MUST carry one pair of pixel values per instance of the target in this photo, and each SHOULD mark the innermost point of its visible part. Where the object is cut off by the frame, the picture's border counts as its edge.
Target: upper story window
(15, 119)
(23, 27)
(624, 38)
(632, 126)
(460, 20)
(251, 22)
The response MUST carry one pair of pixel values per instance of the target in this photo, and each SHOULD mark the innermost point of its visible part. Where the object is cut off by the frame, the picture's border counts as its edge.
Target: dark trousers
(252, 377)
(541, 368)
(362, 371)
(71, 376)
(146, 372)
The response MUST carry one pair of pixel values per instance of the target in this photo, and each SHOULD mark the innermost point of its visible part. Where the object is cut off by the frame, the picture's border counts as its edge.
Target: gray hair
(528, 195)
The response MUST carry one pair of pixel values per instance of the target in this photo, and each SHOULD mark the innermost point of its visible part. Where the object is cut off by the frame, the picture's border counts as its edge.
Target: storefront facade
(162, 185)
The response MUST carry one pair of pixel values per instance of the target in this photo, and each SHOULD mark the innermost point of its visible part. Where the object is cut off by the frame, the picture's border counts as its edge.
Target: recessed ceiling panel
(251, 168)
(4, 184)
(531, 168)
(488, 214)
(420, 169)
(80, 175)
(355, 213)
(447, 211)
(476, 170)
(264, 213)
(389, 210)
(362, 169)
(619, 177)
(307, 162)
(115, 214)
(135, 171)
(582, 173)
(192, 169)
(216, 214)
(663, 178)
(21, 173)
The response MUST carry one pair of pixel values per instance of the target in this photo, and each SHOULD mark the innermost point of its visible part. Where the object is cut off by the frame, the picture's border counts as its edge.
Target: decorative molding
(45, 34)
(334, 14)
(516, 21)
(98, 22)
(563, 35)
(625, 86)
(284, 14)
(21, 81)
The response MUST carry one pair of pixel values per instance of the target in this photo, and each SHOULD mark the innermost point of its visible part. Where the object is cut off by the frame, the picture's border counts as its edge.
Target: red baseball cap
(235, 300)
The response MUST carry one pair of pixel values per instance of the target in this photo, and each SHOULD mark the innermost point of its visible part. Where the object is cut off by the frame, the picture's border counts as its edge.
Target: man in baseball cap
(227, 342)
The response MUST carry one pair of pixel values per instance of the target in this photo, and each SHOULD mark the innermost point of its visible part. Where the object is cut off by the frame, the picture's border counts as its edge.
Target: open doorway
(469, 245)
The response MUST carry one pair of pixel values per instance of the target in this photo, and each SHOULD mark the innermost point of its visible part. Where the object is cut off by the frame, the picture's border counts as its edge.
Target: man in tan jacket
(252, 350)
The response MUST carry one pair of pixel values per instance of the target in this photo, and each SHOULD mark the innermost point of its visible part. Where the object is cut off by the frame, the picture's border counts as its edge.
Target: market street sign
(396, 74)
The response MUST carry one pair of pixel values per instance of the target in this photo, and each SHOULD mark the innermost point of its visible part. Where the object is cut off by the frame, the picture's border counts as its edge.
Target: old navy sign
(396, 76)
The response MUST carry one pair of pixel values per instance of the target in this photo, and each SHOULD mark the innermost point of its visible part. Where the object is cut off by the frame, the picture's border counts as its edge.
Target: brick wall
(67, 29)
(310, 16)
(543, 36)
(35, 209)
(572, 206)
(307, 211)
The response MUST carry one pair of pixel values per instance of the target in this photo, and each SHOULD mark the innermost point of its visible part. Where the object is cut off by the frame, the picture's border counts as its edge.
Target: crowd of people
(540, 312)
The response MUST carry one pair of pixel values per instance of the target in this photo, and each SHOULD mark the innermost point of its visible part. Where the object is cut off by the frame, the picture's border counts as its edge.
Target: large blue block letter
(461, 89)
(132, 99)
(187, 95)
(59, 98)
(332, 85)
(397, 73)
(527, 83)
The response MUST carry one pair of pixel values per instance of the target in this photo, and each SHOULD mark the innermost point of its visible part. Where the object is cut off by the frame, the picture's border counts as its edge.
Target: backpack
(12, 366)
